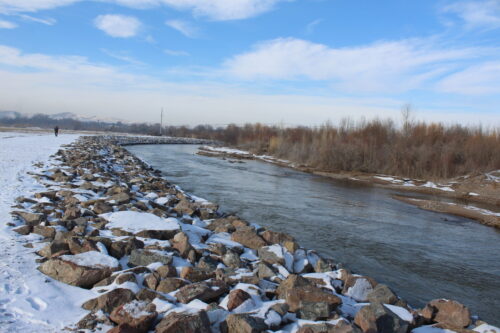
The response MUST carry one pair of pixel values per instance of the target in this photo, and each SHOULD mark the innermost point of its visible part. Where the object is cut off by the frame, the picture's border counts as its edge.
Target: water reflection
(421, 255)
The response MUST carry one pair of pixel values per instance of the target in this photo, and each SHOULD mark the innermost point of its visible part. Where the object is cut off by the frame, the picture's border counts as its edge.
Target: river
(421, 255)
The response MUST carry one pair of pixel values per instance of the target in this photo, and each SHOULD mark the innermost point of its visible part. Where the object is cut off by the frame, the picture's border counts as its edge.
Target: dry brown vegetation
(416, 149)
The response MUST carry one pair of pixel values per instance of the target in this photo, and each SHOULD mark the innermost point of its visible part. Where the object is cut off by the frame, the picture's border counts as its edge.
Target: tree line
(411, 149)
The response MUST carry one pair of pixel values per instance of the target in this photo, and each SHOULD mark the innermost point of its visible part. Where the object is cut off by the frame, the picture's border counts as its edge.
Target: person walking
(56, 130)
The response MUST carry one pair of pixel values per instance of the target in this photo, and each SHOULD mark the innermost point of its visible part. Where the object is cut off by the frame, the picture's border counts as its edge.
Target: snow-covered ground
(28, 302)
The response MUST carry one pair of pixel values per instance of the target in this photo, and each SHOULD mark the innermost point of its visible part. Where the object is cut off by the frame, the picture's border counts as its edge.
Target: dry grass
(416, 150)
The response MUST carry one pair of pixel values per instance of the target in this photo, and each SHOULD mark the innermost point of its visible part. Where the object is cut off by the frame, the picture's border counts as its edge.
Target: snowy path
(28, 303)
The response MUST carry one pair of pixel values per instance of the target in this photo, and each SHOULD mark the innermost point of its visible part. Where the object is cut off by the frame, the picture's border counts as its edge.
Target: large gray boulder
(82, 270)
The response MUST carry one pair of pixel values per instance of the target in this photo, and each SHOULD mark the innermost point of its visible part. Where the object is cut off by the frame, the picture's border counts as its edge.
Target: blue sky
(272, 61)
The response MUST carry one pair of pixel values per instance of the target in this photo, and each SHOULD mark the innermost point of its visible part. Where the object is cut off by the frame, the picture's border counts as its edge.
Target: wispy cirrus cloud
(394, 66)
(7, 25)
(217, 10)
(184, 27)
(477, 14)
(479, 79)
(120, 26)
(46, 21)
(176, 53)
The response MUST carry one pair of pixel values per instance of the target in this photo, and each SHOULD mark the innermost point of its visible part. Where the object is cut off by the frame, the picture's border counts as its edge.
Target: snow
(92, 259)
(400, 312)
(28, 303)
(136, 309)
(485, 328)
(137, 221)
(431, 329)
(439, 187)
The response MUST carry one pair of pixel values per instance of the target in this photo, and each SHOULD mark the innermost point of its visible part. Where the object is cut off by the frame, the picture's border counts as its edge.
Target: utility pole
(161, 122)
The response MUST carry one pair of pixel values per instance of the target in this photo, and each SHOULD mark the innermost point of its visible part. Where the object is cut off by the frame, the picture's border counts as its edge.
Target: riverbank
(483, 190)
(145, 254)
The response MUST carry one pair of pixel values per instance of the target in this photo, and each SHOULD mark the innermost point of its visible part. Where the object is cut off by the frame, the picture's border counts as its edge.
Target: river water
(421, 255)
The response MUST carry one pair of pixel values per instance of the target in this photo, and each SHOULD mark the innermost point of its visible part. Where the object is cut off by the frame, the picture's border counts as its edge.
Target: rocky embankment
(161, 260)
(154, 140)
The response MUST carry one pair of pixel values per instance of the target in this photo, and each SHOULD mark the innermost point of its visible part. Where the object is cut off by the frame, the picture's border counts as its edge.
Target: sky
(289, 62)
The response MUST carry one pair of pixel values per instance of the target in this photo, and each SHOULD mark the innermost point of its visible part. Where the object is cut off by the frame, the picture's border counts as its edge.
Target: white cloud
(312, 25)
(477, 14)
(123, 56)
(218, 10)
(118, 25)
(176, 53)
(224, 9)
(13, 6)
(481, 79)
(46, 21)
(382, 66)
(50, 84)
(7, 25)
(184, 27)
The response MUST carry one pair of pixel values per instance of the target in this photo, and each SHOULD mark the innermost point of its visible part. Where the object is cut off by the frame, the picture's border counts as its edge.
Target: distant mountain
(62, 115)
(71, 115)
(10, 114)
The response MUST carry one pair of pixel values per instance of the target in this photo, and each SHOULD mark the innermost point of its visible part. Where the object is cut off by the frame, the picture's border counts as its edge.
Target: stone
(382, 294)
(44, 231)
(265, 271)
(30, 219)
(314, 310)
(196, 274)
(296, 290)
(23, 230)
(245, 323)
(248, 238)
(71, 213)
(136, 314)
(280, 308)
(221, 225)
(121, 248)
(151, 280)
(157, 234)
(269, 255)
(358, 287)
(273, 237)
(141, 257)
(166, 271)
(231, 259)
(450, 312)
(184, 207)
(119, 198)
(170, 284)
(77, 245)
(184, 323)
(207, 263)
(323, 266)
(102, 208)
(49, 250)
(91, 320)
(147, 295)
(204, 291)
(236, 298)
(73, 274)
(376, 317)
(180, 242)
(110, 300)
(341, 327)
(124, 328)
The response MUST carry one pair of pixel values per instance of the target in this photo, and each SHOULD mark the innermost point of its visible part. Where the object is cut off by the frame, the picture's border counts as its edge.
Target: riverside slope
(149, 256)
